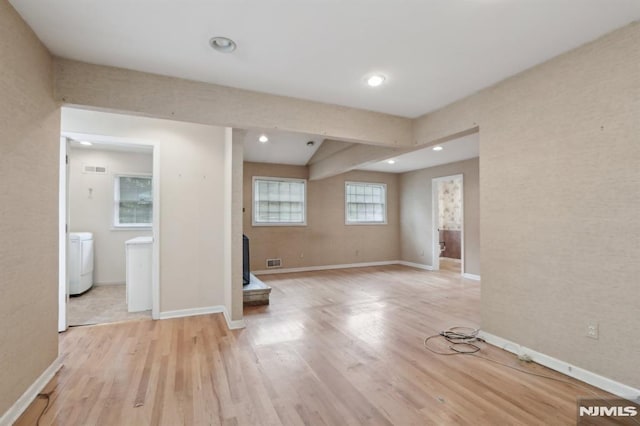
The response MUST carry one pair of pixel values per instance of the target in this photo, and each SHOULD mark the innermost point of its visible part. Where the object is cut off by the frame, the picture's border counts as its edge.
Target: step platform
(256, 292)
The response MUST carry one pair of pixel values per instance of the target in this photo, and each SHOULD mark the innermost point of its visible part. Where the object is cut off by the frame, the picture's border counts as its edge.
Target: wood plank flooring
(342, 347)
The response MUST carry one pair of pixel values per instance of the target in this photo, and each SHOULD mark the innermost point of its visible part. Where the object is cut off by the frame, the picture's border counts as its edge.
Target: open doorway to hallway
(108, 203)
(448, 218)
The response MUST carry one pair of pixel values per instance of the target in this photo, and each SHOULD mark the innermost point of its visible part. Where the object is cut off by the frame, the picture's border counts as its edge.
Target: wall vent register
(274, 263)
(96, 170)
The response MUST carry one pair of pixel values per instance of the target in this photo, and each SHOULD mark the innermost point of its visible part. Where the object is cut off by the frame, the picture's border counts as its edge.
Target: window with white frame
(133, 201)
(365, 203)
(279, 201)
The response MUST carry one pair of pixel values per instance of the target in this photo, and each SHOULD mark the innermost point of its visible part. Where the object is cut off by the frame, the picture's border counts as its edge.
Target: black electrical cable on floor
(462, 341)
(47, 396)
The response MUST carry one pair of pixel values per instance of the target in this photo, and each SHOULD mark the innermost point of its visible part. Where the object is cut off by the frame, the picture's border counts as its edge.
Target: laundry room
(110, 199)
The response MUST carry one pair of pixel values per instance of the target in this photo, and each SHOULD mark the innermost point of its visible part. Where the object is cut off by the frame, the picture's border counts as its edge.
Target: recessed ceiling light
(223, 44)
(437, 148)
(86, 143)
(391, 161)
(375, 80)
(263, 138)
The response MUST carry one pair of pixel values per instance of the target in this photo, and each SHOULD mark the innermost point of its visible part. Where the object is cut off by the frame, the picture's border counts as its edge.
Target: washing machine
(80, 262)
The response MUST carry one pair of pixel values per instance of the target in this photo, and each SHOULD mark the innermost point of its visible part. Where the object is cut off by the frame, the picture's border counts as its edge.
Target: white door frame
(63, 232)
(64, 186)
(435, 262)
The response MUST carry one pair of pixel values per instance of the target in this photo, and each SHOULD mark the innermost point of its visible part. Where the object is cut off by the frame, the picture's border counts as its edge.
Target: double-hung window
(279, 201)
(133, 201)
(365, 203)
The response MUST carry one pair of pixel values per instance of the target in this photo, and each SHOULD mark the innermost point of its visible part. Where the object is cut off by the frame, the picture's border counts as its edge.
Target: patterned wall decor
(450, 204)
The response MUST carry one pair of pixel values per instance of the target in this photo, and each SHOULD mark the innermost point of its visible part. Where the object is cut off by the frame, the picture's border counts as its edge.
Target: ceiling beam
(120, 90)
(328, 148)
(351, 158)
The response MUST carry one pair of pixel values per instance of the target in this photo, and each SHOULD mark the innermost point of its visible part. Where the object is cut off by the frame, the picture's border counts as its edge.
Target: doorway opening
(448, 223)
(109, 208)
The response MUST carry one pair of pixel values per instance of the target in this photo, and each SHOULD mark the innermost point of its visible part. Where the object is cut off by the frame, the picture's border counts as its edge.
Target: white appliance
(139, 253)
(80, 262)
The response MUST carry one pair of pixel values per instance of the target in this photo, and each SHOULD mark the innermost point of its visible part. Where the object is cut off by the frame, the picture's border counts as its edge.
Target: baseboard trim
(471, 276)
(233, 324)
(218, 309)
(106, 283)
(324, 267)
(16, 410)
(415, 265)
(563, 367)
(180, 313)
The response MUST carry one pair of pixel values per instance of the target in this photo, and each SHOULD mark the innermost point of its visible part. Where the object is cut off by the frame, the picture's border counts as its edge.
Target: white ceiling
(432, 51)
(452, 151)
(282, 147)
(111, 146)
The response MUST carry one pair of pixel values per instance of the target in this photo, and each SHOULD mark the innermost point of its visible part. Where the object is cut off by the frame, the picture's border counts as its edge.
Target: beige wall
(192, 180)
(416, 213)
(93, 211)
(560, 179)
(29, 146)
(326, 240)
(117, 89)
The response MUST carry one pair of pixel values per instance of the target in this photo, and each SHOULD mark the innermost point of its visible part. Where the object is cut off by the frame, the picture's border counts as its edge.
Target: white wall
(91, 206)
(191, 180)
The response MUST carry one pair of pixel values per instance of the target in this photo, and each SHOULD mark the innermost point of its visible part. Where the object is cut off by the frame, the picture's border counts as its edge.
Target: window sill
(261, 225)
(131, 228)
(366, 223)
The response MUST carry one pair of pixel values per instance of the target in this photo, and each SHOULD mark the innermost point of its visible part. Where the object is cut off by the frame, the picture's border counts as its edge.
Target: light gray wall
(93, 211)
(29, 147)
(416, 213)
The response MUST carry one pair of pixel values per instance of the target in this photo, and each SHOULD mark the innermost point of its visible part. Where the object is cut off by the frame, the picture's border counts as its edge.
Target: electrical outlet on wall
(592, 330)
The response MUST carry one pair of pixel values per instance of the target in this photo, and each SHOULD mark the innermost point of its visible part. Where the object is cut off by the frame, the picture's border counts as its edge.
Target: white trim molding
(604, 383)
(16, 410)
(218, 309)
(233, 325)
(471, 276)
(180, 313)
(324, 267)
(415, 265)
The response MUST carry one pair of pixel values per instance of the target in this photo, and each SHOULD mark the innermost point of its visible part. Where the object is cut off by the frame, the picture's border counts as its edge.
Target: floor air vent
(274, 263)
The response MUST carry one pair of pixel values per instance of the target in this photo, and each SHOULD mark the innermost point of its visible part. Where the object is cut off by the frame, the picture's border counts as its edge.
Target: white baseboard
(30, 394)
(233, 325)
(108, 283)
(180, 313)
(324, 267)
(218, 309)
(563, 367)
(471, 276)
(415, 265)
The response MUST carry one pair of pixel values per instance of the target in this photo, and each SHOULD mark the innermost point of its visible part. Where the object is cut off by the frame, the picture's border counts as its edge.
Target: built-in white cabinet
(138, 277)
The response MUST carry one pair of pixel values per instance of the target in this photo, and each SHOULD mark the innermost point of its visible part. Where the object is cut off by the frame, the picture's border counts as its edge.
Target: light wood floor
(452, 265)
(341, 347)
